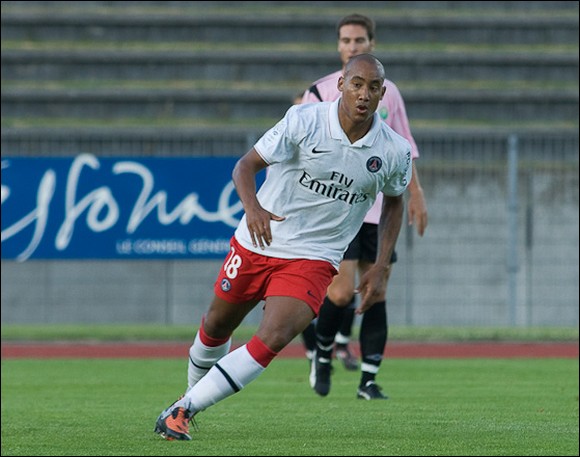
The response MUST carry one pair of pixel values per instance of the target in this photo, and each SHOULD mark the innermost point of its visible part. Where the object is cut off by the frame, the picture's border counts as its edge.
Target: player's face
(362, 90)
(353, 40)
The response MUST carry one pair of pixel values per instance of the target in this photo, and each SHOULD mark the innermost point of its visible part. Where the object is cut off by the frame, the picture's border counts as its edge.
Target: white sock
(225, 378)
(202, 358)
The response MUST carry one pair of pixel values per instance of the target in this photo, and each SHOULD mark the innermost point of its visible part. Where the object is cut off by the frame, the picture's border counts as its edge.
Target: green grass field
(156, 332)
(508, 407)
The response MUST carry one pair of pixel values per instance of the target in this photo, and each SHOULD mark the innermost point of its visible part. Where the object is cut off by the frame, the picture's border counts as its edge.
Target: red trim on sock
(260, 352)
(208, 340)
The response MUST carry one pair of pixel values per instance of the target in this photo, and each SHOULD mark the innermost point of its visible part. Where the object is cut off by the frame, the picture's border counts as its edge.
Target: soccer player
(343, 336)
(326, 164)
(356, 36)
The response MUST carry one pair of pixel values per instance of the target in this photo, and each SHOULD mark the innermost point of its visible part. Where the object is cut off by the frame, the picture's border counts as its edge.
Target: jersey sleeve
(278, 144)
(312, 95)
(398, 119)
(400, 177)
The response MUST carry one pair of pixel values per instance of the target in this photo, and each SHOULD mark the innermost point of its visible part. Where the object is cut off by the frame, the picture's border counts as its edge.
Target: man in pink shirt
(356, 36)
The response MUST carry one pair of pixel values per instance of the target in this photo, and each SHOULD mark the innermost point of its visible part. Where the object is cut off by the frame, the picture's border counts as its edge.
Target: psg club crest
(226, 285)
(374, 164)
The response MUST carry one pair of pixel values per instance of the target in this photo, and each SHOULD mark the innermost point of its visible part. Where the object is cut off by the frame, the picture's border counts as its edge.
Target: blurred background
(491, 90)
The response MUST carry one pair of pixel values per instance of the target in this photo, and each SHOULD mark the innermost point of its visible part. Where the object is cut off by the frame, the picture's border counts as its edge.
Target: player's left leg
(373, 340)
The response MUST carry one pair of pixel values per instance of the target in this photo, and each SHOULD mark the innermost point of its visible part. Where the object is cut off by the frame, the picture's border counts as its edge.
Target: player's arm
(372, 285)
(416, 206)
(257, 218)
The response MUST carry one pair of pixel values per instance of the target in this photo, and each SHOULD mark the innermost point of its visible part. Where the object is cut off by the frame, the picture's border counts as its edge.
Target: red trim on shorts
(260, 352)
(208, 340)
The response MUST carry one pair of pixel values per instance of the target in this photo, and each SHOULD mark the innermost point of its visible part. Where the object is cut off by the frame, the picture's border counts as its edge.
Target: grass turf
(437, 407)
(185, 333)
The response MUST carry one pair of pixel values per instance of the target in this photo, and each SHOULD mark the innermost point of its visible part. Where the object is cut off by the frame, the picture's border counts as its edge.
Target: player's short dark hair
(358, 19)
(367, 58)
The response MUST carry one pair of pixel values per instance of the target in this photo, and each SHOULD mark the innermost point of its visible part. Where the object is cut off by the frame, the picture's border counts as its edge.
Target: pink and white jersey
(391, 110)
(323, 184)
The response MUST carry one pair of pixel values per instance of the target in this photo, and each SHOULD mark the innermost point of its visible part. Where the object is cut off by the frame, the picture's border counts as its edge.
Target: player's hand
(372, 287)
(258, 221)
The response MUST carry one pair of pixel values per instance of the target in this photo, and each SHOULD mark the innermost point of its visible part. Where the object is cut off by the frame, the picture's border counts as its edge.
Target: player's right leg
(284, 318)
(342, 339)
(339, 295)
(213, 336)
(309, 339)
(206, 350)
(293, 291)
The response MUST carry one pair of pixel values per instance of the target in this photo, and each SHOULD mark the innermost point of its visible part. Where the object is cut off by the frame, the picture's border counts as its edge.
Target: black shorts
(364, 245)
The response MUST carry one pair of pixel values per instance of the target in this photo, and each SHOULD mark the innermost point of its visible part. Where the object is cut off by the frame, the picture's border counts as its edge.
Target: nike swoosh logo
(319, 151)
(310, 293)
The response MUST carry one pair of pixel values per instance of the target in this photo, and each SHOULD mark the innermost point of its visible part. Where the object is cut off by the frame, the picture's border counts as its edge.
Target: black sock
(373, 339)
(309, 337)
(366, 377)
(346, 323)
(326, 327)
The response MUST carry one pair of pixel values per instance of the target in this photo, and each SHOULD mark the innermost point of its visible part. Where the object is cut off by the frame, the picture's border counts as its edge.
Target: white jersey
(391, 109)
(323, 184)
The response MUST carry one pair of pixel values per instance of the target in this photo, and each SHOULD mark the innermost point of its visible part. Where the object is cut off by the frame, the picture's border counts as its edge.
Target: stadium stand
(160, 77)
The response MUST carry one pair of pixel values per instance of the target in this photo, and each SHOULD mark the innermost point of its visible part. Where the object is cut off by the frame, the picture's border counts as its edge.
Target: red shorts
(246, 276)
